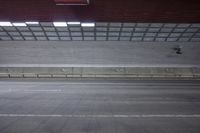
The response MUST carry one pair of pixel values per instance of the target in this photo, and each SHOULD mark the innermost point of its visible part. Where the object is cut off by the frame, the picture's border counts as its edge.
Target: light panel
(74, 23)
(6, 24)
(88, 24)
(32, 22)
(60, 24)
(20, 24)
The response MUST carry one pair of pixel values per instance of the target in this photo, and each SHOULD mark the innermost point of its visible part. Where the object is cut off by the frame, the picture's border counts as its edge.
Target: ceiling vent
(72, 2)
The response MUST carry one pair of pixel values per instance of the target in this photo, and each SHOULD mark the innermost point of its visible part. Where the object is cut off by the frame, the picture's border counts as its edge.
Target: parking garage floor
(98, 106)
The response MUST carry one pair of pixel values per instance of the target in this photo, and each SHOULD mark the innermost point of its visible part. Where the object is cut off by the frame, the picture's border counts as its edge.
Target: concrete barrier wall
(99, 72)
(98, 54)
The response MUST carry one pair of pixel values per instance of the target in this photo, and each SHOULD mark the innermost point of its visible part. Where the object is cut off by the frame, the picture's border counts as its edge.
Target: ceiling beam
(72, 2)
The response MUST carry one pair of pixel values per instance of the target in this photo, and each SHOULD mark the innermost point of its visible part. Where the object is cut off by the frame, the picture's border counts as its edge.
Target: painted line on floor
(105, 65)
(43, 90)
(104, 116)
(19, 90)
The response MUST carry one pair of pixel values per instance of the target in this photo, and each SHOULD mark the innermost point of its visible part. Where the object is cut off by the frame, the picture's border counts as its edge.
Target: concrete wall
(98, 59)
(97, 54)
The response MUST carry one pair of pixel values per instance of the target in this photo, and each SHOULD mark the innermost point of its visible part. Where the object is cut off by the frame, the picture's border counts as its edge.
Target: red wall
(103, 10)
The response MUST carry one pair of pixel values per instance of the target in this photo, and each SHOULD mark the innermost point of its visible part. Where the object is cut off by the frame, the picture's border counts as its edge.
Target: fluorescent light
(5, 24)
(74, 23)
(19, 24)
(88, 25)
(60, 24)
(32, 22)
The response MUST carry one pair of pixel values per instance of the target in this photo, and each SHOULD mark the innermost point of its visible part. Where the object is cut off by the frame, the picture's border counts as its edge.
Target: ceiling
(146, 32)
(170, 11)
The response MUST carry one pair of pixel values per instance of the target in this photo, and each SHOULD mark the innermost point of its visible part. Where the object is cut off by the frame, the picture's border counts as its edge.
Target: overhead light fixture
(60, 24)
(6, 24)
(19, 24)
(31, 22)
(88, 24)
(71, 2)
(74, 23)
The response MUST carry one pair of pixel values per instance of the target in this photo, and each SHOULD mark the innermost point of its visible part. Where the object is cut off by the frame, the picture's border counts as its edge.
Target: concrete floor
(99, 106)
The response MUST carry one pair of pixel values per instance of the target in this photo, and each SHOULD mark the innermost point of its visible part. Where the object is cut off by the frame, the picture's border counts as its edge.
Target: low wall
(99, 72)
